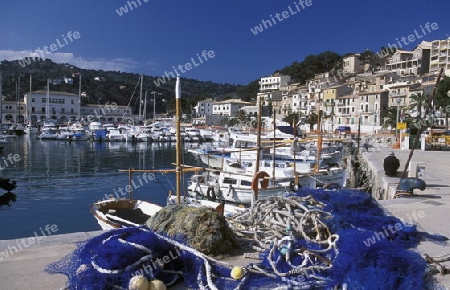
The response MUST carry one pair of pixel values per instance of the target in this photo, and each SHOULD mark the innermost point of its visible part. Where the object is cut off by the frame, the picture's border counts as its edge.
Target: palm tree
(391, 119)
(291, 118)
(311, 119)
(418, 102)
(442, 97)
(241, 115)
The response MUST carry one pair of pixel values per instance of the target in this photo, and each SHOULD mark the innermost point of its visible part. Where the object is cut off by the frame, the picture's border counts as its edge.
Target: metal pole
(1, 98)
(28, 114)
(79, 97)
(47, 100)
(18, 102)
(140, 98)
(154, 104)
(396, 125)
(144, 110)
(178, 126)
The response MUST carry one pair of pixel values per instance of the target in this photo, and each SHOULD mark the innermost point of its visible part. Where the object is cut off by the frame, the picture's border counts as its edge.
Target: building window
(32, 109)
(32, 99)
(43, 110)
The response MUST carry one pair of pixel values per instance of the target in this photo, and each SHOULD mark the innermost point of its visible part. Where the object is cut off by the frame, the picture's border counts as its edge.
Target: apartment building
(440, 56)
(404, 62)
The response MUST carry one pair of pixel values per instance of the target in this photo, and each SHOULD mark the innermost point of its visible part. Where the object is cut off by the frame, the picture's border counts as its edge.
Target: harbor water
(58, 180)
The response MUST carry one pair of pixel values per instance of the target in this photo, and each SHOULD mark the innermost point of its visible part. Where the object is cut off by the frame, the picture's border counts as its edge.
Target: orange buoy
(264, 183)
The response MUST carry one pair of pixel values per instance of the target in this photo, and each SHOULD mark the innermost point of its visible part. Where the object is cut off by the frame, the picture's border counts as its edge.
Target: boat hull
(240, 195)
(106, 212)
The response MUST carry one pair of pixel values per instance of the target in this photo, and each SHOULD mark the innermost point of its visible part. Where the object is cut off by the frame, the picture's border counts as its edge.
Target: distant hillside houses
(351, 94)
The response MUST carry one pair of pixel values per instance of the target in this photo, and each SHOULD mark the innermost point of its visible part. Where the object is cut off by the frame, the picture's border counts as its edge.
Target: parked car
(343, 130)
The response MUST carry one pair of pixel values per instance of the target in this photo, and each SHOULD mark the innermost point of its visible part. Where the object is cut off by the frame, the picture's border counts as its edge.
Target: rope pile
(294, 229)
(273, 218)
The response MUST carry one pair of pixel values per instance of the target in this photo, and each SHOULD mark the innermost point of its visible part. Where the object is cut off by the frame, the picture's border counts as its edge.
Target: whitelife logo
(206, 55)
(281, 16)
(39, 53)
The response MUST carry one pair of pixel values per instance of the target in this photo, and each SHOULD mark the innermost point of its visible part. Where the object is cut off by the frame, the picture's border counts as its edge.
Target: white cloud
(116, 64)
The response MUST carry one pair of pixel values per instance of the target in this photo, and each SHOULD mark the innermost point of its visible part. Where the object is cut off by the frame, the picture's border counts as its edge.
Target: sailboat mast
(144, 110)
(319, 142)
(1, 98)
(178, 147)
(18, 102)
(274, 146)
(27, 112)
(140, 98)
(258, 146)
(47, 99)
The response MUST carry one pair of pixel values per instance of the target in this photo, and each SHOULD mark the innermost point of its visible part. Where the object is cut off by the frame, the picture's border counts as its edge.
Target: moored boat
(120, 213)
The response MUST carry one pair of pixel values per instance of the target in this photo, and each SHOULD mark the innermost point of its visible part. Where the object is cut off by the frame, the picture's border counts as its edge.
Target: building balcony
(274, 82)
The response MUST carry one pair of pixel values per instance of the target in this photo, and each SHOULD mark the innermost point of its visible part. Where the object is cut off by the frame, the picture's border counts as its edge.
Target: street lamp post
(399, 100)
(154, 93)
(374, 120)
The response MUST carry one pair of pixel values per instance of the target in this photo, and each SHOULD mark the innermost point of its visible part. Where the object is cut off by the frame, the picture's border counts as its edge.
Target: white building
(204, 108)
(64, 107)
(107, 113)
(273, 83)
(59, 106)
(270, 84)
(12, 112)
(228, 107)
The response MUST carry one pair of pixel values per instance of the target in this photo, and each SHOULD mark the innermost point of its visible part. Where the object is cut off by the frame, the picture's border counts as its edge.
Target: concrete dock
(429, 209)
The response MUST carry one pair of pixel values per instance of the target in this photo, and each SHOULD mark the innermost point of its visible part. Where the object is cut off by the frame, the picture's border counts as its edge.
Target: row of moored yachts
(96, 131)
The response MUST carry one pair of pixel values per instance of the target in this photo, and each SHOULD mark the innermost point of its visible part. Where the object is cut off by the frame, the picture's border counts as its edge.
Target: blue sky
(157, 35)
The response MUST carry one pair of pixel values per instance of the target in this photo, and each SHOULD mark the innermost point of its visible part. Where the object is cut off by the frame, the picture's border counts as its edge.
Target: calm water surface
(57, 181)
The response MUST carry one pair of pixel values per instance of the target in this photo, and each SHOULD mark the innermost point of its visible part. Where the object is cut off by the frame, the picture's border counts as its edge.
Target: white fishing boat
(145, 134)
(114, 135)
(236, 188)
(120, 213)
(48, 132)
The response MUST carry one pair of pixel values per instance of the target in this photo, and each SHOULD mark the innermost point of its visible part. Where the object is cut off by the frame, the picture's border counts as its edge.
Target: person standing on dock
(391, 164)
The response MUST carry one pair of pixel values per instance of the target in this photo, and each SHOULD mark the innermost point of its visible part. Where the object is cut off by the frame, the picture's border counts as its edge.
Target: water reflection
(57, 180)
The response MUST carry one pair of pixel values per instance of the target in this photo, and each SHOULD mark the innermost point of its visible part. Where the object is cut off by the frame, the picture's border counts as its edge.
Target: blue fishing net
(366, 249)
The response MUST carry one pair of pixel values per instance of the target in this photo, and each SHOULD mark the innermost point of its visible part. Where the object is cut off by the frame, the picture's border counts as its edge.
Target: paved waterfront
(430, 209)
